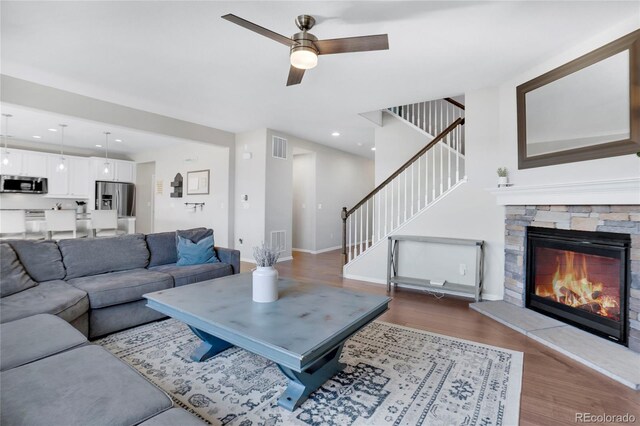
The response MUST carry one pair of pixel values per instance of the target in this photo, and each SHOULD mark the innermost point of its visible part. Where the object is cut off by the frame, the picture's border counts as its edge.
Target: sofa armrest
(230, 256)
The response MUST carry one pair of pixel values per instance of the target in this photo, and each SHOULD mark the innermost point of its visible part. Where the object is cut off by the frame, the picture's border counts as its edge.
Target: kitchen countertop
(36, 214)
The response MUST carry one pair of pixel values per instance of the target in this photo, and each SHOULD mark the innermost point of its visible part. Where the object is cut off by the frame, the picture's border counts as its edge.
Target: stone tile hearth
(623, 219)
(612, 360)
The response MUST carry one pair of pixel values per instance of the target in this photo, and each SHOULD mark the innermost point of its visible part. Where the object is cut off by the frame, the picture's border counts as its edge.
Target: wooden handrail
(454, 102)
(445, 132)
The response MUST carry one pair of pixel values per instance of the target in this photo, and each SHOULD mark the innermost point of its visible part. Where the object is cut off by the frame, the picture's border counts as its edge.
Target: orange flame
(572, 287)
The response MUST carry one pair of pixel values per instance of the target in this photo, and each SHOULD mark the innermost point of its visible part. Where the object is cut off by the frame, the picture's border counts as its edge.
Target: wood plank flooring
(554, 387)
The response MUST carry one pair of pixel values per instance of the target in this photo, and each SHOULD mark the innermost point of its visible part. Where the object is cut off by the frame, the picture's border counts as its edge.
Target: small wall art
(198, 182)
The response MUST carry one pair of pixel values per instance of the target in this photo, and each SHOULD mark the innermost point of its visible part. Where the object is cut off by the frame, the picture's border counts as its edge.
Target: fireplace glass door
(580, 278)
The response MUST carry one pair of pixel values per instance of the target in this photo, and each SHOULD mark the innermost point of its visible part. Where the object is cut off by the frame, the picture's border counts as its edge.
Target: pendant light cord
(6, 129)
(106, 147)
(62, 126)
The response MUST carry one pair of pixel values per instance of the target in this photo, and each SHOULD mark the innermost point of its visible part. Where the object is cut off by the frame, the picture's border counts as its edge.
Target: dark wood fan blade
(352, 44)
(260, 30)
(295, 76)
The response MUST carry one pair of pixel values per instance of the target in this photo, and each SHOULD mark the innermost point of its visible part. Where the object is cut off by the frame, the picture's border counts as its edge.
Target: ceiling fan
(305, 47)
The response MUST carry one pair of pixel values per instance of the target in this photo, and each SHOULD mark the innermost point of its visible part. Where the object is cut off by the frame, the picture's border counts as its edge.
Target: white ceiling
(180, 59)
(27, 123)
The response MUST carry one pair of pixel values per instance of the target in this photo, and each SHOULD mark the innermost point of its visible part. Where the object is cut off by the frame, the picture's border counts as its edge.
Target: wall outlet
(319, 206)
(463, 269)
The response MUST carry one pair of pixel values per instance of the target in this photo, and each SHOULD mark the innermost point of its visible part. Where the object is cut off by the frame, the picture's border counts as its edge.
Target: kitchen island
(36, 222)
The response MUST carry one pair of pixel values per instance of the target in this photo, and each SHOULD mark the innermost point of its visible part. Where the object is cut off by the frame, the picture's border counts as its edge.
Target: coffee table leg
(302, 384)
(210, 346)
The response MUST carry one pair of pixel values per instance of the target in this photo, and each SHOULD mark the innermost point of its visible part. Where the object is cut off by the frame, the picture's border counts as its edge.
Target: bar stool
(61, 224)
(105, 223)
(13, 225)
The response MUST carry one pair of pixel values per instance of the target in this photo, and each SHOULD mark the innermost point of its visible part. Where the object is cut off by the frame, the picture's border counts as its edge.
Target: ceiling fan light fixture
(303, 57)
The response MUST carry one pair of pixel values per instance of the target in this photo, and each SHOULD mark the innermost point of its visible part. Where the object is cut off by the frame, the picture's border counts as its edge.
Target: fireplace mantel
(615, 191)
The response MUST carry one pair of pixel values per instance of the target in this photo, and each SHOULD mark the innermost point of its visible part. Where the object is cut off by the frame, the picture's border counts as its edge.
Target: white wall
(395, 144)
(145, 188)
(250, 180)
(279, 194)
(627, 166)
(491, 140)
(342, 179)
(171, 213)
(468, 212)
(304, 194)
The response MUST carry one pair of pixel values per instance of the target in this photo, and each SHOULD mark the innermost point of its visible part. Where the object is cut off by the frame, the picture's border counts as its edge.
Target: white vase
(265, 284)
(503, 181)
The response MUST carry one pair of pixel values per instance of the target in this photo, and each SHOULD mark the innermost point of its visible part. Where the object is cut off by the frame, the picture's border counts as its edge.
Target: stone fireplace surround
(624, 219)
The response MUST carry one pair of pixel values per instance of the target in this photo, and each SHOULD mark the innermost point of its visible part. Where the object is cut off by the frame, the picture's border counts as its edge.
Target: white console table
(394, 277)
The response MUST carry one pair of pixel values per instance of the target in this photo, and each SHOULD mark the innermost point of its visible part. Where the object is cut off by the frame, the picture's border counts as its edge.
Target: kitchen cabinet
(73, 181)
(119, 170)
(25, 163)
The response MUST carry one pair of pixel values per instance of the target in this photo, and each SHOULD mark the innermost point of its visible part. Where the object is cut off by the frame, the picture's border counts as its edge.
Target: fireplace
(581, 278)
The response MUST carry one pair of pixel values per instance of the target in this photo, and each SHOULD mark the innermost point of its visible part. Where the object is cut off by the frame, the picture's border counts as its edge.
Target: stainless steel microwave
(23, 184)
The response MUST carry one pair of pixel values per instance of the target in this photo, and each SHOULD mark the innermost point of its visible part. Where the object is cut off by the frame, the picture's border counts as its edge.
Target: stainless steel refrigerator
(116, 196)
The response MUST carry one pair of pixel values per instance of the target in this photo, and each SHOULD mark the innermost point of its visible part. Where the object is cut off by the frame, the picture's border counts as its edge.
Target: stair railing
(431, 116)
(420, 181)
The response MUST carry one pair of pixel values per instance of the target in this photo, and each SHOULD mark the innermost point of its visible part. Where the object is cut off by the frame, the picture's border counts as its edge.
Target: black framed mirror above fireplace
(581, 278)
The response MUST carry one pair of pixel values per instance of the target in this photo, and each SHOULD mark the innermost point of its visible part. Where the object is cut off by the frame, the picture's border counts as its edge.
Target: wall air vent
(279, 240)
(279, 147)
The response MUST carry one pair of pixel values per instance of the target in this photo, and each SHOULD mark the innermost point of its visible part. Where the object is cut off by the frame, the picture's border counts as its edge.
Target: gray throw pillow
(13, 277)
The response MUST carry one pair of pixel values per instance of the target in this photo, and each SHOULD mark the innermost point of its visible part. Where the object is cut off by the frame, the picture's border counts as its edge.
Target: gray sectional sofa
(97, 284)
(51, 375)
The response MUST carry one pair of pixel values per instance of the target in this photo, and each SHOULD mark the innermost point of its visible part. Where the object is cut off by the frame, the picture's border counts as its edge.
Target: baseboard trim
(366, 279)
(316, 251)
(489, 296)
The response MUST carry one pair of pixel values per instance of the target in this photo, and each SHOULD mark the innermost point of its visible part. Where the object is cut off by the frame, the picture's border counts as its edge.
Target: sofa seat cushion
(50, 297)
(115, 288)
(92, 256)
(29, 339)
(190, 274)
(84, 386)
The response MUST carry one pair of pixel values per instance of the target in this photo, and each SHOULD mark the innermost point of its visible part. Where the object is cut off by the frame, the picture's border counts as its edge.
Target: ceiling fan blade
(295, 76)
(352, 44)
(260, 30)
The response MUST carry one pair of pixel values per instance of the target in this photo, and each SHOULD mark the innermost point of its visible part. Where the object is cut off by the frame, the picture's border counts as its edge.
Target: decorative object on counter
(61, 166)
(107, 165)
(58, 206)
(198, 182)
(503, 177)
(265, 277)
(82, 207)
(177, 186)
(194, 206)
(6, 158)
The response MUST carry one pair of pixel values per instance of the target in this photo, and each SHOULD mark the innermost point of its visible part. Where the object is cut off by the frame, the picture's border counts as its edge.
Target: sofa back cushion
(14, 277)
(41, 259)
(162, 245)
(92, 256)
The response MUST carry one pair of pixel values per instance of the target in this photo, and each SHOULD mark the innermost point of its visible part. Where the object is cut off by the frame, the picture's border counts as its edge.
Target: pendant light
(107, 166)
(62, 165)
(6, 159)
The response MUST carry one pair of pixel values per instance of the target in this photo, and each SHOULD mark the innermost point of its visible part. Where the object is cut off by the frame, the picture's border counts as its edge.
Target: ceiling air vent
(278, 240)
(279, 148)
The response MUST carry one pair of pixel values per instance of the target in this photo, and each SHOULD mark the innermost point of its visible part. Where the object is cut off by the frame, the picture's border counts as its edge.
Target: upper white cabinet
(25, 163)
(118, 170)
(72, 182)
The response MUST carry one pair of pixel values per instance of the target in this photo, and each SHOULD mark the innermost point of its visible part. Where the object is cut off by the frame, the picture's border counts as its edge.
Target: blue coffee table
(303, 332)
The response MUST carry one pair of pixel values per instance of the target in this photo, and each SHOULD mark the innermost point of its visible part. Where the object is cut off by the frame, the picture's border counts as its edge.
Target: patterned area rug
(394, 376)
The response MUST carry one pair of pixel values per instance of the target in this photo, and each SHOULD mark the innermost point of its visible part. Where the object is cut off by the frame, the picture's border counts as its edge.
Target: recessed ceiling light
(52, 130)
(359, 144)
(335, 134)
(118, 140)
(37, 137)
(98, 146)
(373, 149)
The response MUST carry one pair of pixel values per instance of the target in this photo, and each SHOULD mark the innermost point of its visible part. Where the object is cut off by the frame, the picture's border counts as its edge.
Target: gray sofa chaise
(97, 284)
(51, 375)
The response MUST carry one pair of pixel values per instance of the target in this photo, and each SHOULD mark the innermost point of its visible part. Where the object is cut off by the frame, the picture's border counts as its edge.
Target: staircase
(425, 178)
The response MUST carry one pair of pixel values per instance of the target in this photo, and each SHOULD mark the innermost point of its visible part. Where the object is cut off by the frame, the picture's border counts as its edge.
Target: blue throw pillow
(190, 253)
